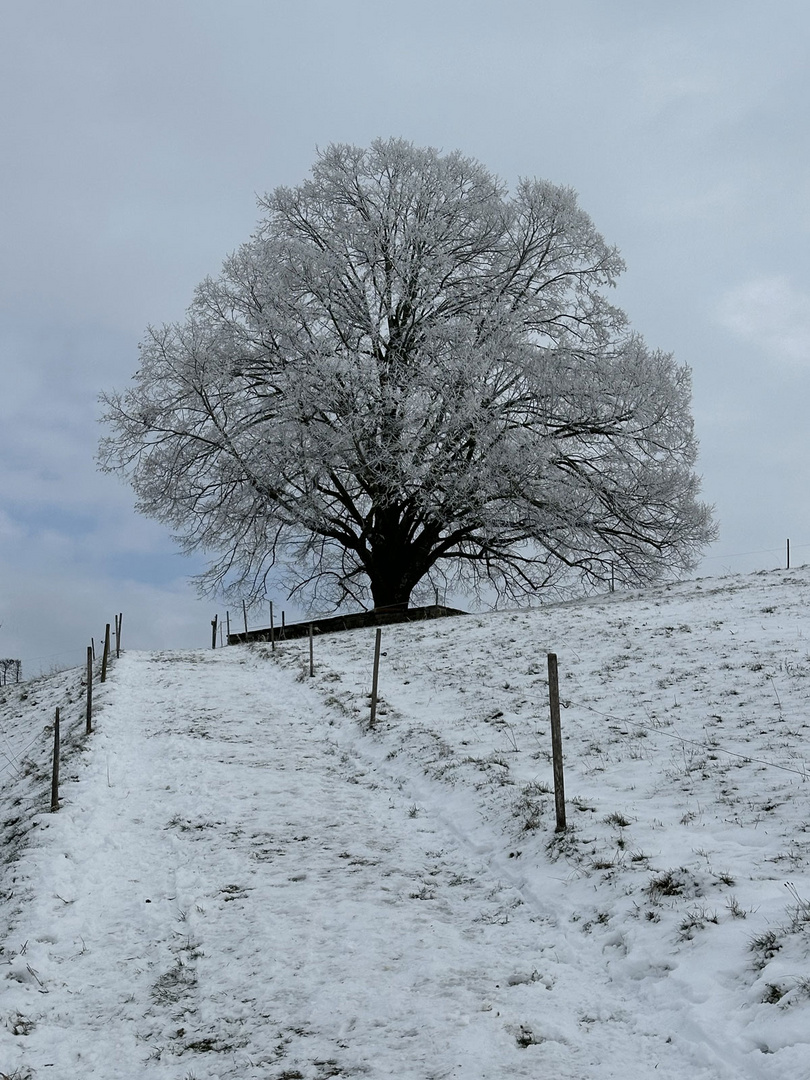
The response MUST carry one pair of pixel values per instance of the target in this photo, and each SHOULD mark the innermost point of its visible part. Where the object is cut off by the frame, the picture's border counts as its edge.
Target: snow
(244, 881)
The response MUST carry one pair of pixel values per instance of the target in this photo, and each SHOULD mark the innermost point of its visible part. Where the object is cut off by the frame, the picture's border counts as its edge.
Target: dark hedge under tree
(409, 378)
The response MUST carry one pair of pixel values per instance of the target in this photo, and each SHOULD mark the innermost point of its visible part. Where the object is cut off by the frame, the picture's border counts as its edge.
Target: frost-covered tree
(409, 377)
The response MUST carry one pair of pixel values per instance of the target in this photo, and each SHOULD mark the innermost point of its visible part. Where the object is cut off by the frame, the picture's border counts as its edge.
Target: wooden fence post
(119, 619)
(244, 616)
(311, 650)
(89, 725)
(788, 554)
(55, 777)
(214, 631)
(375, 678)
(106, 654)
(272, 629)
(227, 627)
(556, 741)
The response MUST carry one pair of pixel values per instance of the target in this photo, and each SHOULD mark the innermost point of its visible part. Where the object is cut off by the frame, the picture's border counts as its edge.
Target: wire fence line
(51, 656)
(55, 662)
(74, 693)
(14, 758)
(707, 744)
(783, 553)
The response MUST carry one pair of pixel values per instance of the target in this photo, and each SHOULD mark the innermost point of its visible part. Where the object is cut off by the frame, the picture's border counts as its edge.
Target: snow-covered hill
(245, 882)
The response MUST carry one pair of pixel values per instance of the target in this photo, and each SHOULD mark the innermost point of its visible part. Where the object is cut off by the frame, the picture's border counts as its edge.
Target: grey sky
(136, 136)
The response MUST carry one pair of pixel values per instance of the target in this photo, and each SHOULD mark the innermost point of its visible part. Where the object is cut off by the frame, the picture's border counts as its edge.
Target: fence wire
(715, 748)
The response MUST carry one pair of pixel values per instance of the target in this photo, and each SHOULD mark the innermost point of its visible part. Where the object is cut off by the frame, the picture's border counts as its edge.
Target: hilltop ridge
(244, 881)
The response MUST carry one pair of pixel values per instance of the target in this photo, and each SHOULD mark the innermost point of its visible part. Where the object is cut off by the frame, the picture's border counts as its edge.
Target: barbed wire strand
(8, 745)
(684, 741)
(13, 757)
(51, 656)
(25, 749)
(761, 551)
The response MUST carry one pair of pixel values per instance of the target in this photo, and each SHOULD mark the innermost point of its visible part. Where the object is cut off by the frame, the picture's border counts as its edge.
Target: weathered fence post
(375, 678)
(227, 627)
(55, 777)
(556, 741)
(119, 619)
(788, 554)
(311, 650)
(214, 631)
(106, 654)
(272, 629)
(244, 616)
(89, 725)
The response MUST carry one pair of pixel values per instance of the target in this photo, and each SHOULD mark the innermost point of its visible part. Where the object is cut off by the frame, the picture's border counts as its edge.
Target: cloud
(772, 314)
(48, 615)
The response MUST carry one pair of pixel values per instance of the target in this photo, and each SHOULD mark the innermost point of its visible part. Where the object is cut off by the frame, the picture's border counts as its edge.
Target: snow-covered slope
(245, 882)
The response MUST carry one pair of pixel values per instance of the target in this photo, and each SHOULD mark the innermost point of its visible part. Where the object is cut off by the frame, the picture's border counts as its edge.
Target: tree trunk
(398, 556)
(391, 591)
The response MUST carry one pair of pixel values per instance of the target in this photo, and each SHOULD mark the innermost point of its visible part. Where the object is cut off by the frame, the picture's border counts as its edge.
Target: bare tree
(409, 378)
(7, 667)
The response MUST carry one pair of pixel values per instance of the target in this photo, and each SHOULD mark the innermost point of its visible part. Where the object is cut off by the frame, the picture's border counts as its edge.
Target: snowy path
(238, 886)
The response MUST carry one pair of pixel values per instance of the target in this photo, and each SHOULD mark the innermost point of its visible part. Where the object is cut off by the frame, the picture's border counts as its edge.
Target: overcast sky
(136, 136)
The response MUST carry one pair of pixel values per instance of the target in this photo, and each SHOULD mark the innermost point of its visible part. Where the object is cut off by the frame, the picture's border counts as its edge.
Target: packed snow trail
(232, 889)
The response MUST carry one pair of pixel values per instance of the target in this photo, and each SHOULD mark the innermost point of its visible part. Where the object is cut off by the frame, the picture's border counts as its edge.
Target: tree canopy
(409, 378)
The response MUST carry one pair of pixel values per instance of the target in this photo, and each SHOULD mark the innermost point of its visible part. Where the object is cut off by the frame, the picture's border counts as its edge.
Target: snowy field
(243, 881)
